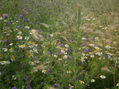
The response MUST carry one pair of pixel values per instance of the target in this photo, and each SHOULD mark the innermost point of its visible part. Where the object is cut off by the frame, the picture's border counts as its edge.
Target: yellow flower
(114, 42)
(81, 82)
(85, 57)
(66, 49)
(51, 35)
(29, 42)
(65, 56)
(19, 32)
(31, 51)
(70, 86)
(11, 49)
(97, 38)
(33, 43)
(82, 59)
(90, 52)
(22, 46)
(7, 62)
(31, 56)
(62, 51)
(35, 69)
(13, 58)
(31, 63)
(55, 56)
(92, 80)
(27, 54)
(58, 47)
(66, 45)
(59, 59)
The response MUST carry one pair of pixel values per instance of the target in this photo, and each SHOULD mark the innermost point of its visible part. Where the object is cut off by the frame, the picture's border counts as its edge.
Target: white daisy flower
(107, 46)
(19, 32)
(19, 37)
(92, 80)
(1, 18)
(102, 76)
(65, 56)
(22, 46)
(66, 45)
(44, 71)
(91, 45)
(51, 35)
(26, 38)
(11, 49)
(31, 63)
(11, 44)
(5, 49)
(117, 84)
(70, 86)
(4, 62)
(55, 56)
(83, 38)
(27, 27)
(81, 82)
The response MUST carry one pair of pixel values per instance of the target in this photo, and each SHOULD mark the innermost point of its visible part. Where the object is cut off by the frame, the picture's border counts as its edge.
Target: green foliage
(43, 45)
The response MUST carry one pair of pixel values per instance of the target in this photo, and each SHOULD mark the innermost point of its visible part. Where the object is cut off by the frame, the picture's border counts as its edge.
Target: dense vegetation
(59, 44)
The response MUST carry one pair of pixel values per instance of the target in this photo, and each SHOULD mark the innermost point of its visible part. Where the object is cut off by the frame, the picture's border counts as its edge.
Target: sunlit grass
(59, 44)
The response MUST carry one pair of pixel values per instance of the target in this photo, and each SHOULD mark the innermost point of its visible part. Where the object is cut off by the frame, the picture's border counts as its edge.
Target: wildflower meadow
(59, 44)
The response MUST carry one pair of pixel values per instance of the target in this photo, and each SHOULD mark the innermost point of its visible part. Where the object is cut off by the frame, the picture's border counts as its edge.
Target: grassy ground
(59, 44)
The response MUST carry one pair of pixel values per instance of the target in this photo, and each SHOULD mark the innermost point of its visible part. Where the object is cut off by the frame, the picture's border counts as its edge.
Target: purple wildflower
(48, 70)
(5, 16)
(69, 50)
(28, 87)
(58, 52)
(49, 36)
(14, 88)
(38, 14)
(29, 9)
(56, 85)
(58, 40)
(49, 52)
(86, 50)
(21, 15)
(62, 45)
(39, 31)
(69, 56)
(83, 44)
(93, 39)
(106, 56)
